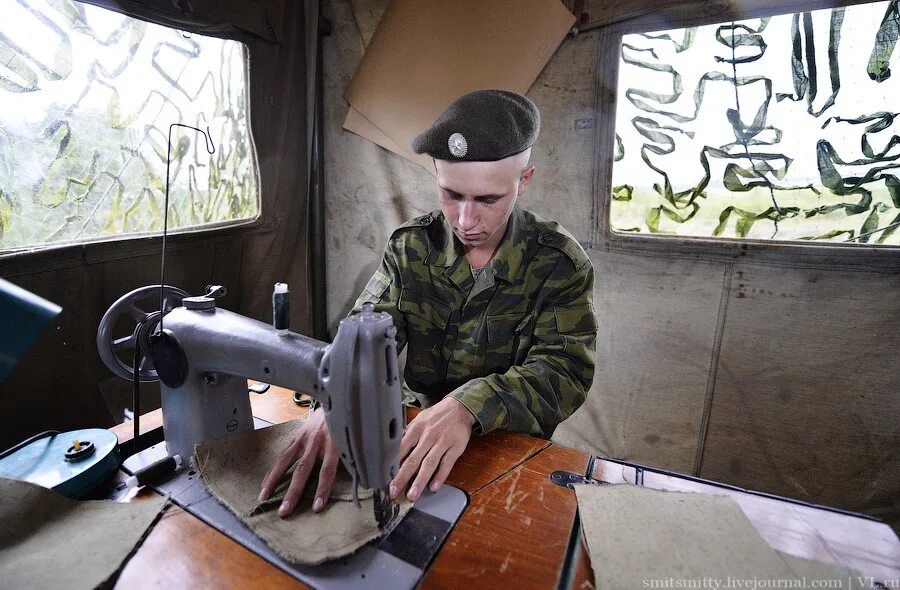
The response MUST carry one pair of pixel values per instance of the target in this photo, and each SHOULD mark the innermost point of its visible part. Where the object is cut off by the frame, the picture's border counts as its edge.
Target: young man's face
(477, 198)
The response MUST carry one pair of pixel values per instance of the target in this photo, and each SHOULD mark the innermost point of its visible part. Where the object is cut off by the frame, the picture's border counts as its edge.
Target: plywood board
(425, 54)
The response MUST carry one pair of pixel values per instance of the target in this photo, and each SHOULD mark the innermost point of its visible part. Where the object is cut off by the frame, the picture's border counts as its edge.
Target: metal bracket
(567, 479)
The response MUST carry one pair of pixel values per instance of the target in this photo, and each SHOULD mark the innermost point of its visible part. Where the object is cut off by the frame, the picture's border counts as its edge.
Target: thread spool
(281, 309)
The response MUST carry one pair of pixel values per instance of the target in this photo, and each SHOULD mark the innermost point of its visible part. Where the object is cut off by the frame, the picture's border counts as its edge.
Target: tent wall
(778, 379)
(773, 369)
(57, 386)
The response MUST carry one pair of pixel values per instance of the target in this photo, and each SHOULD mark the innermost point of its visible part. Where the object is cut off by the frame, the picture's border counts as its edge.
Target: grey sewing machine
(203, 356)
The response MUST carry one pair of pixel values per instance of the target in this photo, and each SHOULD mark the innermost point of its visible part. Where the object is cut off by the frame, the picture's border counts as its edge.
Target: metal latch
(567, 479)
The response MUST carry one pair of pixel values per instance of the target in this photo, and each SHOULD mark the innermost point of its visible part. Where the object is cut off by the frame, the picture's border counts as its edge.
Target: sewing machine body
(222, 350)
(203, 356)
(356, 380)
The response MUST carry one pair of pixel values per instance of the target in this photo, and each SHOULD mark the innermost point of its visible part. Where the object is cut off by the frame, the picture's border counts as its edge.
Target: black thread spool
(281, 309)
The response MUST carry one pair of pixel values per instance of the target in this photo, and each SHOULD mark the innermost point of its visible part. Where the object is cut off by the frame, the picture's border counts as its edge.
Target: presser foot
(386, 510)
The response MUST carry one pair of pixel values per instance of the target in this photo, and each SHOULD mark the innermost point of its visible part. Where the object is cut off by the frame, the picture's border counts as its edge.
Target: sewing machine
(203, 356)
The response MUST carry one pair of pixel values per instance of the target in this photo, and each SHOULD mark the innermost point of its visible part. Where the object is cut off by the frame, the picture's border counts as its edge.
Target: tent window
(86, 99)
(780, 128)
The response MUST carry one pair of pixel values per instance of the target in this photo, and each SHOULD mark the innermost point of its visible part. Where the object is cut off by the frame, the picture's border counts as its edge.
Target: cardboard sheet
(233, 468)
(639, 537)
(358, 124)
(50, 541)
(425, 54)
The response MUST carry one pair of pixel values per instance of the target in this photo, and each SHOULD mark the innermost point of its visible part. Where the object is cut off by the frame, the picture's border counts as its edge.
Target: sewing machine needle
(386, 511)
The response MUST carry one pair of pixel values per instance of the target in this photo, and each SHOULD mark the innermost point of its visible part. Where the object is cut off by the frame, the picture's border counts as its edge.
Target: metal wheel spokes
(124, 343)
(128, 323)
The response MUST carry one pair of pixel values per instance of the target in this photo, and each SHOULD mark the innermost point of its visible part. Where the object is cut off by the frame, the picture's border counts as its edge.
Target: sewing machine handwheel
(128, 323)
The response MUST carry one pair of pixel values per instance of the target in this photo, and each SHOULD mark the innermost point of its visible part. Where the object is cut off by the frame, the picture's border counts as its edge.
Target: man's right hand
(313, 442)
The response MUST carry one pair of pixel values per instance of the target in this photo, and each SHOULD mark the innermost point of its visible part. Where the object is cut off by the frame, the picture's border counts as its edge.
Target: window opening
(86, 99)
(779, 128)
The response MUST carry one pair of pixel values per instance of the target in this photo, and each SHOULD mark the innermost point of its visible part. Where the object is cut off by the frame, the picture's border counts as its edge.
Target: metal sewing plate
(397, 561)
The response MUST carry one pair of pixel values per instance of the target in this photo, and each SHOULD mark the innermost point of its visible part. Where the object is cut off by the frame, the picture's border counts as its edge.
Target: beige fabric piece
(637, 537)
(50, 541)
(233, 468)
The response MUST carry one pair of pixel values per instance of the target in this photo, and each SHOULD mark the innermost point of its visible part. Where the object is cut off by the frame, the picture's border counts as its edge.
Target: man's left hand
(432, 443)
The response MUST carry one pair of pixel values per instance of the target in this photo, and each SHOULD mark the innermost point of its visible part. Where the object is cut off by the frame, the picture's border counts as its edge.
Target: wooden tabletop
(516, 529)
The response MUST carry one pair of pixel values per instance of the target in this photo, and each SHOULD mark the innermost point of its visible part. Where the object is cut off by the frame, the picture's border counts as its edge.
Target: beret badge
(458, 145)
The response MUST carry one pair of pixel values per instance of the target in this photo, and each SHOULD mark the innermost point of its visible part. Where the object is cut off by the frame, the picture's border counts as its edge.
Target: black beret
(482, 126)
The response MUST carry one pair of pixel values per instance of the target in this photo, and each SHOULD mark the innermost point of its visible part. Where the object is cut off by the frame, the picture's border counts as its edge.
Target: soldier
(494, 302)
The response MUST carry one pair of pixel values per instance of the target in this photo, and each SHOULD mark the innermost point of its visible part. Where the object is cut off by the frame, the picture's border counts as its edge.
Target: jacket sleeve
(383, 290)
(553, 380)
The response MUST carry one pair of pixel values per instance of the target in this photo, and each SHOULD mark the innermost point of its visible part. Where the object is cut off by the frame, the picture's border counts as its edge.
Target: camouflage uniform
(517, 346)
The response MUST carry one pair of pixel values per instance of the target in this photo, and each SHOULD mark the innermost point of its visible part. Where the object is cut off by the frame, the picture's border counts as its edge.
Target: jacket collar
(447, 251)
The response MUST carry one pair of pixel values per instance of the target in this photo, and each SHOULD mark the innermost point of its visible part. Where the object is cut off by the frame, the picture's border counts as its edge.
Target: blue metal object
(43, 462)
(23, 317)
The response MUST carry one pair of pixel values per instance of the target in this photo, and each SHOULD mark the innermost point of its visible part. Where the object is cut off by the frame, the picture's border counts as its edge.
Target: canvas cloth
(233, 468)
(50, 541)
(636, 536)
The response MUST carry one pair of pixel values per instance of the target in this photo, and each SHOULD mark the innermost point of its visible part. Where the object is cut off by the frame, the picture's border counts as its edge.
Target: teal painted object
(23, 317)
(44, 463)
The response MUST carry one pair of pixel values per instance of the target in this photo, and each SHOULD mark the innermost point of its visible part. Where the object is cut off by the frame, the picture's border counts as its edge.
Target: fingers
(314, 443)
(430, 447)
(410, 438)
(447, 463)
(426, 470)
(408, 463)
(326, 477)
(284, 462)
(408, 467)
(298, 482)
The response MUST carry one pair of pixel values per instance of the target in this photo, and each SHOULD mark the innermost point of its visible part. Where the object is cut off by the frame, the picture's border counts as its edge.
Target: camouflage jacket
(518, 349)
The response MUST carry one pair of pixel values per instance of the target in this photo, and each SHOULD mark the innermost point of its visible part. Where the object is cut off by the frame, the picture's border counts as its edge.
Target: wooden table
(515, 532)
(519, 530)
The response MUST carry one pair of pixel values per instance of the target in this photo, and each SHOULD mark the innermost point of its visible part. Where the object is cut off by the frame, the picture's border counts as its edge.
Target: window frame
(40, 258)
(696, 13)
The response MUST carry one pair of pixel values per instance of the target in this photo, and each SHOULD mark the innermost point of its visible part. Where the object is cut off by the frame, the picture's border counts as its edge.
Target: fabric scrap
(639, 537)
(50, 541)
(233, 467)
